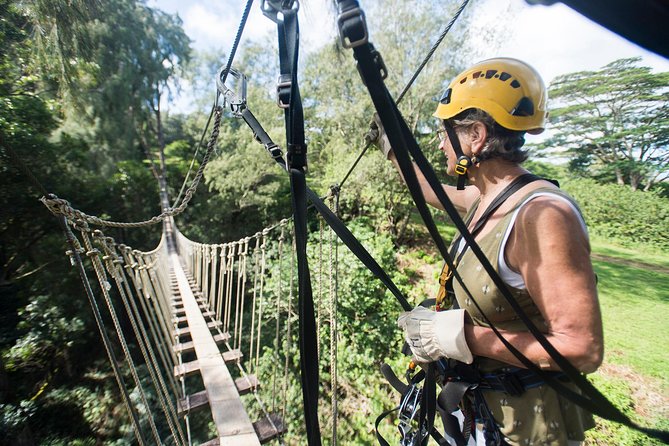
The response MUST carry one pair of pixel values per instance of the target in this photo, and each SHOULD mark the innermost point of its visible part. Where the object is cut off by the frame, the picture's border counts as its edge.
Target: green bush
(617, 212)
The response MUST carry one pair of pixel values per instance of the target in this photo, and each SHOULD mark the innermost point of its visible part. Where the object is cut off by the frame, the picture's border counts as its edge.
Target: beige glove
(433, 335)
(377, 136)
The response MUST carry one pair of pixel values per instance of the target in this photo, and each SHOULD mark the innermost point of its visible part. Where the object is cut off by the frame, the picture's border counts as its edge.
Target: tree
(614, 122)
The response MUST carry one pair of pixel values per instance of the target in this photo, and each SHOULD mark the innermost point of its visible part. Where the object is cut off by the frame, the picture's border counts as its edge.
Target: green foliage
(366, 336)
(613, 123)
(618, 212)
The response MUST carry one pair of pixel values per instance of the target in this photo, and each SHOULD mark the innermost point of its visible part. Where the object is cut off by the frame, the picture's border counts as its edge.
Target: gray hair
(501, 142)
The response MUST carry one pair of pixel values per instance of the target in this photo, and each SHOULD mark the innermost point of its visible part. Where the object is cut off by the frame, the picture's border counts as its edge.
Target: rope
(59, 206)
(112, 262)
(256, 266)
(211, 295)
(221, 283)
(319, 301)
(409, 84)
(334, 334)
(105, 286)
(278, 316)
(75, 259)
(192, 161)
(263, 254)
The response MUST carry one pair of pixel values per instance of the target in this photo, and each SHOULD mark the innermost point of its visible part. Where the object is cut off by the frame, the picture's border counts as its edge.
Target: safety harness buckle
(283, 87)
(352, 28)
(511, 384)
(274, 150)
(297, 156)
(462, 165)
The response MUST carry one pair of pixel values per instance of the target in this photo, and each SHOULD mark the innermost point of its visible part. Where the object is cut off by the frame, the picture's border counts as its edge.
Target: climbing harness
(353, 29)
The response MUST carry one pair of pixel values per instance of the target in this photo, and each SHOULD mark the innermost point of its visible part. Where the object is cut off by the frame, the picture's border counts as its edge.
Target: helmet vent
(446, 97)
(525, 107)
(490, 73)
(477, 74)
(504, 76)
(463, 80)
(515, 84)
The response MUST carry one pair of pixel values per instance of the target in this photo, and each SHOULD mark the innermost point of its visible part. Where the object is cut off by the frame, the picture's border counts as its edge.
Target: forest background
(83, 86)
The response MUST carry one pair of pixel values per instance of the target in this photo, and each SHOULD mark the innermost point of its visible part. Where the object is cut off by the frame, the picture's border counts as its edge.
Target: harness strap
(330, 217)
(296, 161)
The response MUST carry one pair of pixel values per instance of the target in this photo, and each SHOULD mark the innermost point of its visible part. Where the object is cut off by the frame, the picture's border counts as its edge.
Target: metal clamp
(272, 8)
(352, 28)
(233, 90)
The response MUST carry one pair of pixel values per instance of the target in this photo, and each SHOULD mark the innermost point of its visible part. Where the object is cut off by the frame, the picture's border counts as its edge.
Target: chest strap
(445, 297)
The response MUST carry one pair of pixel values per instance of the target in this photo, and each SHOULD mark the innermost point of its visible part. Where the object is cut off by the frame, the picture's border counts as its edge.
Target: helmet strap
(463, 162)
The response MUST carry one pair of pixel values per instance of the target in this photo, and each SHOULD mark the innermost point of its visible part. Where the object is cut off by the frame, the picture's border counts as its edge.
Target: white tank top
(509, 276)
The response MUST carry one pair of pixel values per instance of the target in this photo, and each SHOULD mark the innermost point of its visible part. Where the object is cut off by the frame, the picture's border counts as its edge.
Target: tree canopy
(613, 122)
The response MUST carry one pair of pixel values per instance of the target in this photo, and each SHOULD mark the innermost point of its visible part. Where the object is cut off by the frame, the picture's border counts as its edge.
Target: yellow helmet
(509, 90)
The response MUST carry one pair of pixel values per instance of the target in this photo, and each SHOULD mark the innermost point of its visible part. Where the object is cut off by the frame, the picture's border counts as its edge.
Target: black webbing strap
(307, 319)
(289, 99)
(403, 143)
(512, 188)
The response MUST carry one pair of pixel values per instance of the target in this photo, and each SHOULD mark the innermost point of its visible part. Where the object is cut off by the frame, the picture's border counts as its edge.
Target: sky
(553, 39)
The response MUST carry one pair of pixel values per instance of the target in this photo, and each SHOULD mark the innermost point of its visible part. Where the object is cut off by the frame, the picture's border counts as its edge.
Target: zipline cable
(231, 57)
(59, 206)
(409, 84)
(238, 37)
(192, 161)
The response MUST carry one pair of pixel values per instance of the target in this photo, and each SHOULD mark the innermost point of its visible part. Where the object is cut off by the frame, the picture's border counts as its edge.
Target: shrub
(617, 212)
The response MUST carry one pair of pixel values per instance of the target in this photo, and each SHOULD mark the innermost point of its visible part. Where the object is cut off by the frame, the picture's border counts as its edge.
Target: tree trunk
(619, 176)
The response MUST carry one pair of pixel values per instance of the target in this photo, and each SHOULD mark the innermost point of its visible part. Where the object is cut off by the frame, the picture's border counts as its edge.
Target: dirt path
(632, 263)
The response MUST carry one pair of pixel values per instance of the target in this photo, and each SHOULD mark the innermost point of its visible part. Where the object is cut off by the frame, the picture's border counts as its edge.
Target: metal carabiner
(408, 414)
(272, 8)
(233, 90)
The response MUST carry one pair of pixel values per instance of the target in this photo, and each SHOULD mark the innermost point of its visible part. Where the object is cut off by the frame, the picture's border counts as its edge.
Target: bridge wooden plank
(187, 347)
(267, 430)
(199, 400)
(230, 418)
(186, 330)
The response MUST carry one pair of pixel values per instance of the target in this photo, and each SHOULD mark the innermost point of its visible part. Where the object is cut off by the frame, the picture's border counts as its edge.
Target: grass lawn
(635, 311)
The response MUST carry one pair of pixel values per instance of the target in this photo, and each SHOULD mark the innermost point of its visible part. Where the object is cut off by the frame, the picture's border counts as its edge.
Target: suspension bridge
(214, 328)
